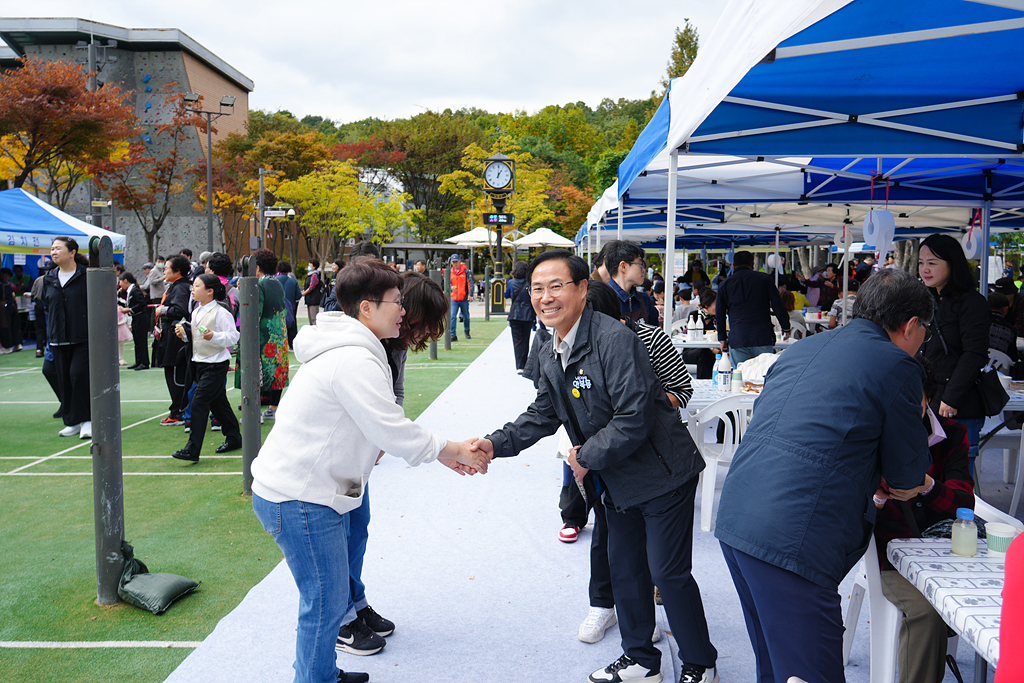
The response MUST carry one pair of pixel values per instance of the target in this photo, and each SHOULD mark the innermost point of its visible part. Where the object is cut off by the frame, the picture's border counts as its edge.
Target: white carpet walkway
(472, 572)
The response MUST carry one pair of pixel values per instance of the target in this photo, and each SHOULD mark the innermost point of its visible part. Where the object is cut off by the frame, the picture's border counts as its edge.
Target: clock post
(499, 182)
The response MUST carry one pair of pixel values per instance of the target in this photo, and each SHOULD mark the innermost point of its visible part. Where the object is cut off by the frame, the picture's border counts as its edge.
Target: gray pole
(209, 181)
(447, 275)
(105, 406)
(262, 228)
(95, 217)
(435, 275)
(249, 366)
(487, 292)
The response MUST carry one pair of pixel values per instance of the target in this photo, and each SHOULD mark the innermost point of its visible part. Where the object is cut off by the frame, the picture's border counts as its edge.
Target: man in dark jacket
(748, 298)
(796, 511)
(138, 305)
(595, 379)
(174, 354)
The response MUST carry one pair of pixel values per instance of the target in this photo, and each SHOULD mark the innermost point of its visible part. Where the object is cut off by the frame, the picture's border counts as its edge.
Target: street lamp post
(211, 116)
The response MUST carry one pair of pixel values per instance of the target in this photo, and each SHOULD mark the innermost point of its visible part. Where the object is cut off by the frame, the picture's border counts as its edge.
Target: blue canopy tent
(841, 102)
(28, 226)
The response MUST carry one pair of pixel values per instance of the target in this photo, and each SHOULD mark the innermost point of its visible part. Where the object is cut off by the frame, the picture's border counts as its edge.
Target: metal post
(447, 274)
(670, 233)
(435, 275)
(262, 227)
(95, 217)
(618, 233)
(777, 230)
(209, 182)
(487, 288)
(249, 366)
(105, 406)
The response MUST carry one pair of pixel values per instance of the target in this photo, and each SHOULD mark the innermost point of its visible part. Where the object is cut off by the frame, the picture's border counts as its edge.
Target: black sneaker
(352, 677)
(467, 335)
(378, 624)
(696, 674)
(625, 670)
(356, 638)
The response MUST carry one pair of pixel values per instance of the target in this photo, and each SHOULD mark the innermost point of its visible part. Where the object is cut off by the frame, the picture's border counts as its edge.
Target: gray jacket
(633, 436)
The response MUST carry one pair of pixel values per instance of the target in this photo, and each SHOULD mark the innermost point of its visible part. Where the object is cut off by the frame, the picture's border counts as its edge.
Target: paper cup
(999, 537)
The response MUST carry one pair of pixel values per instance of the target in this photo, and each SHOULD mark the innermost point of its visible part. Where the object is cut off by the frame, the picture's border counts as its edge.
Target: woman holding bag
(958, 347)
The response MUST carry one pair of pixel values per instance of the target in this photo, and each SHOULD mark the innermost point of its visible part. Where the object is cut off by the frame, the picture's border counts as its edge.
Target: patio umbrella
(544, 237)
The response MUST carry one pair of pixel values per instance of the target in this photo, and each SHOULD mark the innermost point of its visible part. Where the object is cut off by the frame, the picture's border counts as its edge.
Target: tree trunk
(803, 255)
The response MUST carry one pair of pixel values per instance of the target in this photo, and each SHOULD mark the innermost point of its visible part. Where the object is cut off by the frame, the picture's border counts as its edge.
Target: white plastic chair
(992, 514)
(1011, 442)
(678, 327)
(716, 454)
(999, 360)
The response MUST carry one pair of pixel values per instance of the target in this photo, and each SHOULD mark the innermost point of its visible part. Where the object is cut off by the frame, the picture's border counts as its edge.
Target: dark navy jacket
(634, 438)
(839, 410)
(748, 297)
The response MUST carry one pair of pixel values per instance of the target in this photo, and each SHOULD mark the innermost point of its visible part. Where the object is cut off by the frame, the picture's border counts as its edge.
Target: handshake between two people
(467, 457)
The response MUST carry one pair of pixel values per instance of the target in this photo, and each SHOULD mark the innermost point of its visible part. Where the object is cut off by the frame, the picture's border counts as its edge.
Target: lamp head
(227, 101)
(190, 97)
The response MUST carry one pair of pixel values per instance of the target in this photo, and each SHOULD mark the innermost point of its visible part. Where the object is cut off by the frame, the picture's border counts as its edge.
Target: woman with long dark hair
(958, 348)
(67, 329)
(521, 316)
(212, 330)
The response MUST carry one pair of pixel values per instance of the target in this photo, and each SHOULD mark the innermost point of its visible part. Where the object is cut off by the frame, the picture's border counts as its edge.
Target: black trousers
(795, 626)
(520, 341)
(10, 334)
(50, 373)
(178, 392)
(704, 360)
(575, 511)
(658, 535)
(72, 364)
(40, 326)
(211, 396)
(140, 335)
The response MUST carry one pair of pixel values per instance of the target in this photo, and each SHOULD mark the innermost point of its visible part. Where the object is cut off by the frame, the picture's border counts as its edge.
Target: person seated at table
(704, 359)
(835, 314)
(1001, 335)
(684, 304)
(800, 301)
(796, 319)
(947, 486)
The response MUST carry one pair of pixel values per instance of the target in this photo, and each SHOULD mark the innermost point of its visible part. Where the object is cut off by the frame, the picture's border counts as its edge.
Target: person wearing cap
(461, 295)
(1008, 288)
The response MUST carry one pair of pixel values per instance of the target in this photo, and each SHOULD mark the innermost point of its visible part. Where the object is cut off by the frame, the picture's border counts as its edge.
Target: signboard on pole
(275, 213)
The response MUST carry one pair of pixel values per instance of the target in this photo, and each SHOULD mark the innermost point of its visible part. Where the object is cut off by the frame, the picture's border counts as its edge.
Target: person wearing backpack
(312, 290)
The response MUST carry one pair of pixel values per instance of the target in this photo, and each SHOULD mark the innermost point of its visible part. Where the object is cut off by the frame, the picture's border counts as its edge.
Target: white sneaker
(657, 634)
(599, 620)
(70, 431)
(86, 432)
(625, 670)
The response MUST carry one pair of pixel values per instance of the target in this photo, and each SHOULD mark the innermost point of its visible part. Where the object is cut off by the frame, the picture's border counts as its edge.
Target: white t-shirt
(64, 277)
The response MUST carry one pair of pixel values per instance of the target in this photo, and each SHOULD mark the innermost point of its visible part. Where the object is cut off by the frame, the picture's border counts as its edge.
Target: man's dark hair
(426, 311)
(419, 261)
(604, 299)
(852, 284)
(180, 265)
(685, 293)
(596, 261)
(961, 279)
(17, 267)
(160, 258)
(520, 269)
(128, 277)
(284, 267)
(891, 297)
(266, 260)
(743, 258)
(314, 263)
(997, 301)
(186, 252)
(363, 248)
(617, 251)
(365, 279)
(578, 268)
(707, 297)
(220, 264)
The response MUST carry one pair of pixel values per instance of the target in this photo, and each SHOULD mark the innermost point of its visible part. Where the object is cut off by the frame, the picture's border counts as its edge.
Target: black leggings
(72, 364)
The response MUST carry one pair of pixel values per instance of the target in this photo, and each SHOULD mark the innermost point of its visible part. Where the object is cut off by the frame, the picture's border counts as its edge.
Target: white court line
(124, 474)
(18, 372)
(43, 403)
(123, 457)
(74, 644)
(84, 443)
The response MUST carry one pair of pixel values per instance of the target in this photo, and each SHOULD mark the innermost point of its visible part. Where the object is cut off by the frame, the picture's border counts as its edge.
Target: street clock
(499, 174)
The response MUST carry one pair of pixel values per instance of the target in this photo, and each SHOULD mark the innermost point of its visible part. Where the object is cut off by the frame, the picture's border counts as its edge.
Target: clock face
(498, 174)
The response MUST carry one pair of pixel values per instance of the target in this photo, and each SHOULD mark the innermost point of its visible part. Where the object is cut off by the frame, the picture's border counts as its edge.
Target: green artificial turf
(184, 518)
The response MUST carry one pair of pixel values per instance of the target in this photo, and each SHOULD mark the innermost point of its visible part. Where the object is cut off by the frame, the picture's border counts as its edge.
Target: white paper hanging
(879, 230)
(971, 242)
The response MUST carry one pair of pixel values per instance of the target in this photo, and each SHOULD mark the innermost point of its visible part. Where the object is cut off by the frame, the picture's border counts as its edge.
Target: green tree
(606, 170)
(684, 51)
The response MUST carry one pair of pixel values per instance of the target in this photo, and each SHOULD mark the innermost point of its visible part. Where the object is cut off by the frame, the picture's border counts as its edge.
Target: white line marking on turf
(52, 403)
(123, 457)
(98, 644)
(125, 474)
(17, 372)
(84, 443)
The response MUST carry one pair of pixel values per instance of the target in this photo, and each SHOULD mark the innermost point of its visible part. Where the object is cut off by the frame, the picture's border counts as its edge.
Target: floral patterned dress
(273, 338)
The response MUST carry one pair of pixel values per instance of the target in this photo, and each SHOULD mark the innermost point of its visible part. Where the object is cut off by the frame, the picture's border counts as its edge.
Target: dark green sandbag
(152, 592)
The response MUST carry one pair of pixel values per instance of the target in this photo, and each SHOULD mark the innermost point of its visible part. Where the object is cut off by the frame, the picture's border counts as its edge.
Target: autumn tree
(684, 51)
(147, 185)
(50, 121)
(374, 161)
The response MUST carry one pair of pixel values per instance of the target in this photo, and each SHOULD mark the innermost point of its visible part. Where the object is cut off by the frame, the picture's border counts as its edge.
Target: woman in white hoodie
(314, 465)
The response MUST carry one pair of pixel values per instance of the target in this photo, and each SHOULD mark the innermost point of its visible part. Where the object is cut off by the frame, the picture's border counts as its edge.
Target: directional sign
(275, 213)
(101, 204)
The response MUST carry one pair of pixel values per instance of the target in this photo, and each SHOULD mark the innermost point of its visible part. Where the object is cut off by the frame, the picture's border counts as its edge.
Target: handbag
(993, 396)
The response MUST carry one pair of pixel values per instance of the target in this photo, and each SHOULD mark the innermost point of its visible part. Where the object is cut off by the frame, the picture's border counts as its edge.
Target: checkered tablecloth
(966, 591)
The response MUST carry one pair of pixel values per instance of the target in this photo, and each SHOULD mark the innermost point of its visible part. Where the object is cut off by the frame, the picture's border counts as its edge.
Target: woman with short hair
(330, 430)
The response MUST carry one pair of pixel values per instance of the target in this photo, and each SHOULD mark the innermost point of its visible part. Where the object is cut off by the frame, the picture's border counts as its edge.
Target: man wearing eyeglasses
(627, 264)
(596, 380)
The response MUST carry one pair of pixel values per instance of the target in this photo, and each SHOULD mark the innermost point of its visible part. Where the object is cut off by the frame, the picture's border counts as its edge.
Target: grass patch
(198, 526)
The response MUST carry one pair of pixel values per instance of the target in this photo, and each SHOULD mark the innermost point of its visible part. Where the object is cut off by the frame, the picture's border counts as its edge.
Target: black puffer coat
(958, 350)
(67, 313)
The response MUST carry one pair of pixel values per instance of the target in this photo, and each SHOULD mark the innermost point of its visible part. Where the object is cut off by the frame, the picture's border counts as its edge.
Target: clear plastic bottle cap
(964, 513)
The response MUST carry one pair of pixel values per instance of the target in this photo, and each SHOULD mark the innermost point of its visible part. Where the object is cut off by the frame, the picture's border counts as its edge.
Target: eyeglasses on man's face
(555, 288)
(400, 302)
(639, 262)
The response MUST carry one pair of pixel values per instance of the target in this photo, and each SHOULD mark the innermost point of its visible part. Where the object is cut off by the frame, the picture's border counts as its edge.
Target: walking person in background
(292, 294)
(212, 331)
(958, 349)
(521, 316)
(173, 357)
(67, 328)
(10, 321)
(311, 290)
(461, 295)
(138, 307)
(40, 309)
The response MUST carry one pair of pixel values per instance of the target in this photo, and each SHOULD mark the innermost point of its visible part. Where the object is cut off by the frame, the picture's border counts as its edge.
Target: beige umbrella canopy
(479, 237)
(543, 237)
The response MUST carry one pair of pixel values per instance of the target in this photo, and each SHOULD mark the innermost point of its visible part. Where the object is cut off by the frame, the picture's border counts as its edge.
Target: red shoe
(172, 421)
(569, 533)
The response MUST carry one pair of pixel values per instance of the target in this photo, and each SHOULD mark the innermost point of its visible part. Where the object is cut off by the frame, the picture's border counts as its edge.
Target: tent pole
(670, 237)
(598, 238)
(618, 234)
(776, 257)
(847, 239)
(986, 227)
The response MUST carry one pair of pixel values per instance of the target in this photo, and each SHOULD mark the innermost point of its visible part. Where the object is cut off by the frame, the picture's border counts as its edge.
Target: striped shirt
(667, 363)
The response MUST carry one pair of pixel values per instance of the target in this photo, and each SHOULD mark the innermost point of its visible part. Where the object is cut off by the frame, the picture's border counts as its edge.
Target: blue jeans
(738, 355)
(357, 522)
(313, 540)
(456, 307)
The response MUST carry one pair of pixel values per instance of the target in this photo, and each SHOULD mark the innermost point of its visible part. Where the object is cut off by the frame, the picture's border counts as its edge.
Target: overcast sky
(348, 60)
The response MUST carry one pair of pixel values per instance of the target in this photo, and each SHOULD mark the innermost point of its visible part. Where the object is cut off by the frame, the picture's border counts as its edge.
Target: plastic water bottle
(965, 533)
(724, 372)
(714, 373)
(698, 329)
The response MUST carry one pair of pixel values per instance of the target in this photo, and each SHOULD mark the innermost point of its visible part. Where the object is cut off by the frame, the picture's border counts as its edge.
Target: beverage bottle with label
(698, 329)
(965, 533)
(724, 371)
(737, 380)
(714, 373)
